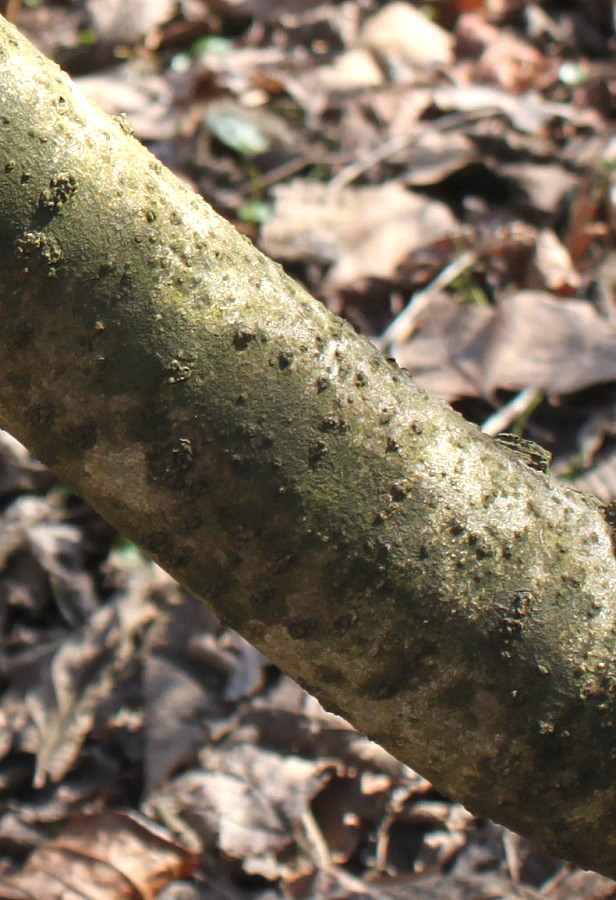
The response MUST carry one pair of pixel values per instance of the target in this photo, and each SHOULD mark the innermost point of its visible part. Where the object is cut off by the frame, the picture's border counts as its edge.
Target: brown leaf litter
(442, 176)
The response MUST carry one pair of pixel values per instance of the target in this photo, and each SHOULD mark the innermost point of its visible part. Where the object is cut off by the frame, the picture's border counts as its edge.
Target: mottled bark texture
(452, 603)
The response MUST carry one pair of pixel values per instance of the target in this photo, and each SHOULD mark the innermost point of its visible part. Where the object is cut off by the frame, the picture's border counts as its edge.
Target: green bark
(451, 602)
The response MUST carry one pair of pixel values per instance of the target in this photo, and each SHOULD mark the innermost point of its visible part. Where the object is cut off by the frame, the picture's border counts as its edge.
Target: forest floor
(444, 177)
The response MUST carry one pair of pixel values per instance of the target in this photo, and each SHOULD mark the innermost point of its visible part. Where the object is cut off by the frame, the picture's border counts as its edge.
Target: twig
(404, 324)
(345, 176)
(522, 404)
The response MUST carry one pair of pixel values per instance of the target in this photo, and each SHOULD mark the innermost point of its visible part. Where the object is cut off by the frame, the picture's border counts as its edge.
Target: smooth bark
(451, 602)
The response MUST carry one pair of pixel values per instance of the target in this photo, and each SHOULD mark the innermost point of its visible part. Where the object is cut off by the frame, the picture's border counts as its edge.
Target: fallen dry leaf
(529, 340)
(347, 807)
(534, 338)
(82, 671)
(499, 55)
(551, 267)
(401, 30)
(131, 90)
(363, 232)
(543, 186)
(116, 21)
(443, 352)
(47, 554)
(191, 672)
(600, 479)
(246, 800)
(108, 856)
(528, 114)
(351, 71)
(433, 156)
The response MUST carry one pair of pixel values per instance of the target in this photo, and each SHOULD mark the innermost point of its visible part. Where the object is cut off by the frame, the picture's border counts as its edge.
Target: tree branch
(451, 602)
